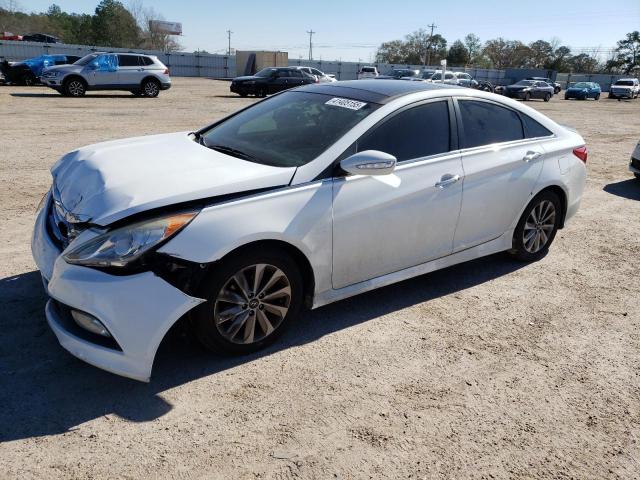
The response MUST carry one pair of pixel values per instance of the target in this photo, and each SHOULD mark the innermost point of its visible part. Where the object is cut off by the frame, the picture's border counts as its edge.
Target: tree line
(111, 25)
(421, 48)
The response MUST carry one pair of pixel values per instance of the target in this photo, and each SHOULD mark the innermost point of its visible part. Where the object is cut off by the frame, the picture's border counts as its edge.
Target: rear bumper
(165, 85)
(621, 94)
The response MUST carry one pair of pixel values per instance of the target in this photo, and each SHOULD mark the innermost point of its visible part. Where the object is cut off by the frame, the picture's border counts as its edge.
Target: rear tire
(74, 87)
(537, 227)
(527, 97)
(29, 79)
(597, 97)
(637, 175)
(241, 315)
(150, 88)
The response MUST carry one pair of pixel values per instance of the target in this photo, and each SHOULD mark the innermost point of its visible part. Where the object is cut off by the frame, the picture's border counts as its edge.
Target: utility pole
(310, 32)
(427, 60)
(229, 32)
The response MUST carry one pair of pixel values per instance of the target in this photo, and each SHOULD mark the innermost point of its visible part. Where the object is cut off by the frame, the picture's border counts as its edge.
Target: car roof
(376, 91)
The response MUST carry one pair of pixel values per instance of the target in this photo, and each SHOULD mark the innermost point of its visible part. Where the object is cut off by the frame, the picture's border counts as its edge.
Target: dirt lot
(491, 369)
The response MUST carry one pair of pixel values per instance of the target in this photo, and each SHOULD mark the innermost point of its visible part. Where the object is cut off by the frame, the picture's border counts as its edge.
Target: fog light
(89, 322)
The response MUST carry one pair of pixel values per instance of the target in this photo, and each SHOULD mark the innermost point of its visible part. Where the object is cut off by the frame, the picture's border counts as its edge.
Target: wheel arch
(68, 78)
(149, 77)
(560, 192)
(306, 270)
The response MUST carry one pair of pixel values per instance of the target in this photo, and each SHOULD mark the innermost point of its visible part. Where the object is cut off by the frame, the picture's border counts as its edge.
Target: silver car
(143, 75)
(634, 165)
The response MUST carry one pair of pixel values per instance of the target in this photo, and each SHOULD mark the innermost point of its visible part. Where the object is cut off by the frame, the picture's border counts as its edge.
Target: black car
(271, 80)
(27, 71)
(556, 86)
(399, 73)
(40, 37)
(528, 89)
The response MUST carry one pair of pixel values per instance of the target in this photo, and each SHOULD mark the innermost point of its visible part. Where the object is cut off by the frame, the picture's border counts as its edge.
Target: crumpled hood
(109, 181)
(64, 69)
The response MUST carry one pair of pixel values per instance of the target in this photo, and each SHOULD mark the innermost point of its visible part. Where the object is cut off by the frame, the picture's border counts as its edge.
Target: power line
(428, 62)
(310, 32)
(229, 32)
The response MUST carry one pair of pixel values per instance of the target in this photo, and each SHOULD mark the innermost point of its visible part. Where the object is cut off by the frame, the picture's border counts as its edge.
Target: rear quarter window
(485, 123)
(533, 129)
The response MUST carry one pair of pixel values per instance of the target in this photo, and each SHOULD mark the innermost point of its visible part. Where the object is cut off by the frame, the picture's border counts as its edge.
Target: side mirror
(93, 66)
(369, 162)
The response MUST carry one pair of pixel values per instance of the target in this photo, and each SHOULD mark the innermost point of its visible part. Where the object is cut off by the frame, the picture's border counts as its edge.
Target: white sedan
(302, 199)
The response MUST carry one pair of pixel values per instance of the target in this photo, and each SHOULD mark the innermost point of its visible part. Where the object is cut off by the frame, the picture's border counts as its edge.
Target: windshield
(368, 70)
(265, 72)
(287, 130)
(86, 59)
(581, 85)
(525, 83)
(626, 83)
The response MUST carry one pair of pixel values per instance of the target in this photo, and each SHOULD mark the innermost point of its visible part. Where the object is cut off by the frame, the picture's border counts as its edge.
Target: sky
(351, 30)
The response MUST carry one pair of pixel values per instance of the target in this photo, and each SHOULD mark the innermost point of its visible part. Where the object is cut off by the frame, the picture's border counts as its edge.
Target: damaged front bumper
(137, 310)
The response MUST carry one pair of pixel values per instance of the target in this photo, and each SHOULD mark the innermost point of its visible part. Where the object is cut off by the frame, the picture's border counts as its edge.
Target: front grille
(60, 231)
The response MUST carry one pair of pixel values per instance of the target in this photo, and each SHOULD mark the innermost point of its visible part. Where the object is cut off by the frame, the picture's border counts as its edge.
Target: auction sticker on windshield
(345, 103)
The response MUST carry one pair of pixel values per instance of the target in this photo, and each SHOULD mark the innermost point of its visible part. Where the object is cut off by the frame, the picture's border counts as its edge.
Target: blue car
(583, 90)
(28, 71)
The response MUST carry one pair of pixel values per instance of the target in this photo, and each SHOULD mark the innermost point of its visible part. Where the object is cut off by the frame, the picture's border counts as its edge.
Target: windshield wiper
(231, 151)
(199, 138)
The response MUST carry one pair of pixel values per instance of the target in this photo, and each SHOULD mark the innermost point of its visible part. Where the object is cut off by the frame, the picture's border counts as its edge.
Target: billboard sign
(168, 28)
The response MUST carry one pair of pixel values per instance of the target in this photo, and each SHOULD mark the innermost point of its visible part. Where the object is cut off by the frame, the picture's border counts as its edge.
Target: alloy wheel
(252, 303)
(151, 89)
(76, 88)
(539, 226)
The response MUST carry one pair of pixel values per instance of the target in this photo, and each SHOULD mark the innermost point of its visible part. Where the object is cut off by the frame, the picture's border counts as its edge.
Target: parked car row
(30, 37)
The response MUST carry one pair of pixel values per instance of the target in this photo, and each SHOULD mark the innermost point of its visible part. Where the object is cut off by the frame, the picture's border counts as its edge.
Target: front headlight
(50, 74)
(121, 246)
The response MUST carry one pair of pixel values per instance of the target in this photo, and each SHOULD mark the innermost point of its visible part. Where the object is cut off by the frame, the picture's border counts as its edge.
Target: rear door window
(128, 60)
(413, 133)
(485, 123)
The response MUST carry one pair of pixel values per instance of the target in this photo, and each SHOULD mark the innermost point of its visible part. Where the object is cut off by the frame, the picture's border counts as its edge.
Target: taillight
(166, 71)
(581, 153)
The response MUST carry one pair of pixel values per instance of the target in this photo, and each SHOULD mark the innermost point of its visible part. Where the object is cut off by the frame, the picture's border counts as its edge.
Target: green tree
(458, 54)
(583, 63)
(628, 53)
(474, 47)
(114, 26)
(541, 53)
(506, 53)
(417, 48)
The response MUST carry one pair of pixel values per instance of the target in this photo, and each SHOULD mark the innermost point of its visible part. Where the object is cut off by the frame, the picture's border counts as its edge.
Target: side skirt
(500, 244)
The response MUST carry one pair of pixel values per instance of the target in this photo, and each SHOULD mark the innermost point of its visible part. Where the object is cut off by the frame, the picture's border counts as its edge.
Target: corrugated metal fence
(181, 64)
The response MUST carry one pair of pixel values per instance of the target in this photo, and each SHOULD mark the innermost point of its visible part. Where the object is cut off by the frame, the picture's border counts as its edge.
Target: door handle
(447, 180)
(531, 155)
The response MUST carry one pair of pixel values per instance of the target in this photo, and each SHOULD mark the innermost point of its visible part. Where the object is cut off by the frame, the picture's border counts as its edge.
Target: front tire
(537, 227)
(597, 97)
(252, 298)
(150, 88)
(75, 87)
(547, 97)
(29, 79)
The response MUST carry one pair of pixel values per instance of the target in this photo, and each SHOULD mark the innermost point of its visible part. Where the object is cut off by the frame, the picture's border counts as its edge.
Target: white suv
(320, 76)
(140, 74)
(625, 88)
(367, 72)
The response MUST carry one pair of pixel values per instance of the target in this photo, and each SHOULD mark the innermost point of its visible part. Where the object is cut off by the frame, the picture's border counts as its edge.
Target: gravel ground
(491, 369)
